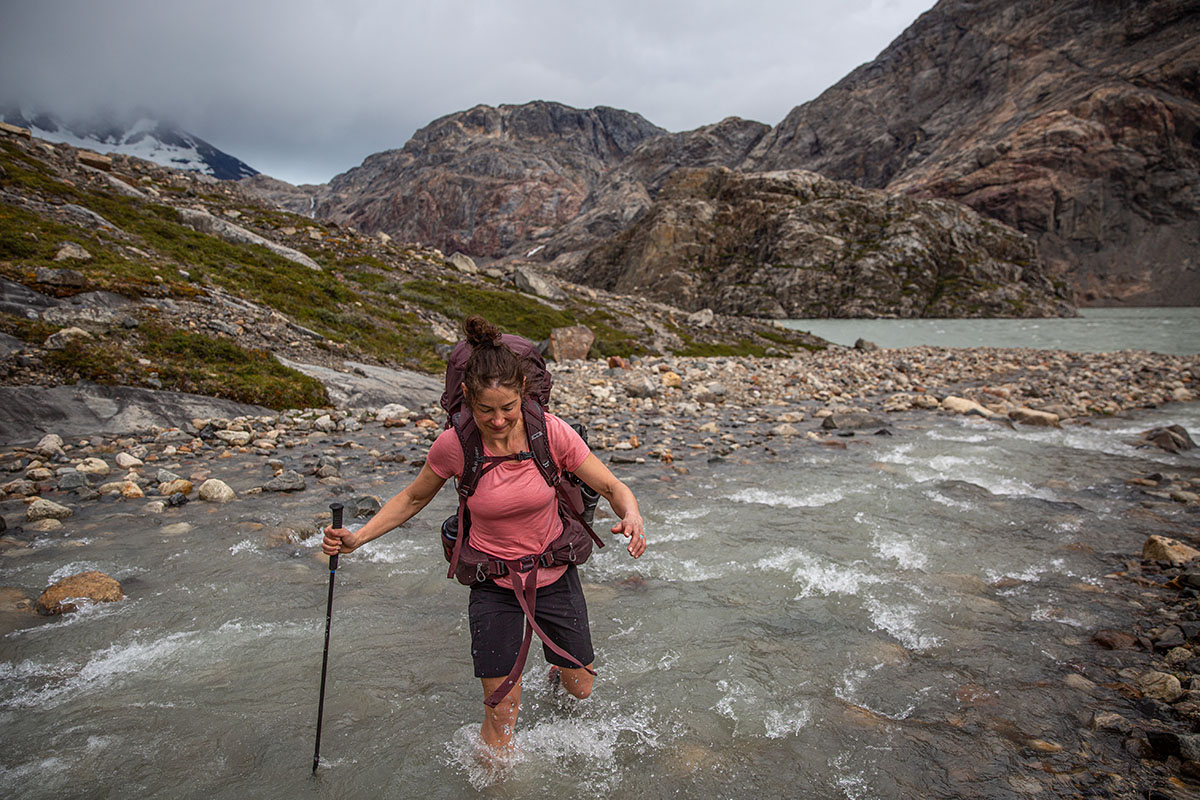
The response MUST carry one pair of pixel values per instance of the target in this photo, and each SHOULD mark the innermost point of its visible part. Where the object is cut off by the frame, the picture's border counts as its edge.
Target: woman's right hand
(339, 541)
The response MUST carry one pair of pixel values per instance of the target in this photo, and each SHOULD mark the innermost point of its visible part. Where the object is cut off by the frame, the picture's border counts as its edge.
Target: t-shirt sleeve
(446, 456)
(567, 447)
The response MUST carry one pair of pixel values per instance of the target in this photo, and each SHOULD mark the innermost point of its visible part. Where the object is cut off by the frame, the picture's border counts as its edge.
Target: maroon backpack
(575, 499)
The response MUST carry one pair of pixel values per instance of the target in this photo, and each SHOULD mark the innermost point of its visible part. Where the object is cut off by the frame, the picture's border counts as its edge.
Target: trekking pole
(336, 508)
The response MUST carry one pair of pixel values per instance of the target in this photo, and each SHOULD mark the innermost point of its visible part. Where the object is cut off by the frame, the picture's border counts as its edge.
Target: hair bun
(480, 332)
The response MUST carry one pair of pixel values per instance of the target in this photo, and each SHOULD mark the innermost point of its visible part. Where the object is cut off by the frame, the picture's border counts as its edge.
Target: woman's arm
(593, 472)
(395, 512)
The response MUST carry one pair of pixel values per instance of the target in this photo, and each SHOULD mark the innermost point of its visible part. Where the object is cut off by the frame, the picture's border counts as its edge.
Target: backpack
(576, 500)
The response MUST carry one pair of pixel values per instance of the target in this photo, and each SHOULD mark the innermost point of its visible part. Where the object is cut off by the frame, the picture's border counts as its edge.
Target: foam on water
(893, 546)
(580, 742)
(817, 577)
(901, 623)
(768, 498)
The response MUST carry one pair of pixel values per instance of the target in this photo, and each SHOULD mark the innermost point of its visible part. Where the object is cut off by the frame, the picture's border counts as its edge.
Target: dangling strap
(525, 587)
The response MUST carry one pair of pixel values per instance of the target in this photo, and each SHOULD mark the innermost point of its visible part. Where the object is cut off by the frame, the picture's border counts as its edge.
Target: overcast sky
(305, 89)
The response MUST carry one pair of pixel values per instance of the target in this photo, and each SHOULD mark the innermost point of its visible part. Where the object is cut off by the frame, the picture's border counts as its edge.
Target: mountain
(796, 244)
(143, 137)
(487, 181)
(1074, 121)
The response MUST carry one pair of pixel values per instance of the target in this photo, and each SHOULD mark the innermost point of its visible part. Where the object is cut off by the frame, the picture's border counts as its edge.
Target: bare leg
(578, 682)
(500, 723)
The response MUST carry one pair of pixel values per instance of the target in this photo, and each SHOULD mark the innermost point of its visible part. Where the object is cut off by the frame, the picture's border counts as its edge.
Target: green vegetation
(183, 361)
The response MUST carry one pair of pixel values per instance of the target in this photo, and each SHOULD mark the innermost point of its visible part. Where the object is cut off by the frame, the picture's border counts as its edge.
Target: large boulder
(531, 282)
(1172, 438)
(570, 343)
(1160, 548)
(64, 596)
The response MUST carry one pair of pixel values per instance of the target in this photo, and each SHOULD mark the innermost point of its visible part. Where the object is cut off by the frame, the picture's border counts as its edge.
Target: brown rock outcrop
(1076, 122)
(796, 244)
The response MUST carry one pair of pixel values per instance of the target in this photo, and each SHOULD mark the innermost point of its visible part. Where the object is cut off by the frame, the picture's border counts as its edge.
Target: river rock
(1160, 548)
(671, 380)
(1160, 686)
(366, 506)
(179, 486)
(325, 424)
(785, 429)
(131, 491)
(44, 525)
(38, 474)
(288, 481)
(216, 491)
(1172, 438)
(1027, 416)
(62, 597)
(1115, 640)
(127, 461)
(234, 438)
(50, 446)
(46, 509)
(393, 411)
(961, 405)
(21, 487)
(93, 466)
(572, 343)
(72, 479)
(641, 387)
(850, 422)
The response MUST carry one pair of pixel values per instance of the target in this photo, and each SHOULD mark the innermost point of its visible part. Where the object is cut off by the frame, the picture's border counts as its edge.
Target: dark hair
(492, 363)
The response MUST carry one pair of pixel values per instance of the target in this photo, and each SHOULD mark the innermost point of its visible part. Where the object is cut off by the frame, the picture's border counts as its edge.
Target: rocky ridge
(794, 244)
(117, 271)
(1074, 122)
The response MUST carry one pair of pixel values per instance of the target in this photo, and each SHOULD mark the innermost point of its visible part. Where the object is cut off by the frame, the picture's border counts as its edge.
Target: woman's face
(496, 410)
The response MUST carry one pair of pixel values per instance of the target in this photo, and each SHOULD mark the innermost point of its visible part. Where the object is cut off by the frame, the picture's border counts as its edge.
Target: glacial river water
(894, 619)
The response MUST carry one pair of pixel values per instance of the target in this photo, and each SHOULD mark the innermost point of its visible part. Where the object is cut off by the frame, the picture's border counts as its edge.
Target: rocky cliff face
(1075, 121)
(795, 244)
(488, 180)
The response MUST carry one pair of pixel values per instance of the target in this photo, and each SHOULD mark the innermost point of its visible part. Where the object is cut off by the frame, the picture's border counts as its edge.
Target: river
(1096, 330)
(896, 618)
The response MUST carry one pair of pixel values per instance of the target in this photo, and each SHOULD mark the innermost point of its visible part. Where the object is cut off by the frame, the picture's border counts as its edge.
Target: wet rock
(785, 429)
(288, 481)
(44, 525)
(850, 422)
(1172, 438)
(1115, 640)
(1027, 416)
(366, 506)
(1160, 686)
(1077, 681)
(961, 405)
(1110, 721)
(216, 491)
(166, 476)
(131, 491)
(46, 509)
(177, 499)
(1160, 548)
(38, 474)
(64, 597)
(863, 344)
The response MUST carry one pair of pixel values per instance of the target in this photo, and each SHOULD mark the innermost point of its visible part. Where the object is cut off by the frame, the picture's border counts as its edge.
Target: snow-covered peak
(145, 138)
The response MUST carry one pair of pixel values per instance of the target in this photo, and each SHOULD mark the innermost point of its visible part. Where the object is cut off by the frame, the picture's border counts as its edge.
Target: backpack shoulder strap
(472, 450)
(539, 442)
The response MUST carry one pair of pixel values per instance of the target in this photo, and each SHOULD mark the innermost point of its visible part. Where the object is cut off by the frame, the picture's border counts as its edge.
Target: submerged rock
(63, 597)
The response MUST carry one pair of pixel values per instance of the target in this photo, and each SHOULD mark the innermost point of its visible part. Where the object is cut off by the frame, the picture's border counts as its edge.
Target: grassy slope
(370, 301)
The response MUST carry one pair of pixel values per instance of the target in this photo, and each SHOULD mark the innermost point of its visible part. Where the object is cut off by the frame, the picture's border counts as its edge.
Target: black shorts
(498, 624)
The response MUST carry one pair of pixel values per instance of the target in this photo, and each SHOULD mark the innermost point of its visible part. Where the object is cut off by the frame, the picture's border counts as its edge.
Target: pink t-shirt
(514, 511)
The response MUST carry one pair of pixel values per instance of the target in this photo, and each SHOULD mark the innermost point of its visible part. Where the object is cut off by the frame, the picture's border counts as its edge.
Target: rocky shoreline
(672, 412)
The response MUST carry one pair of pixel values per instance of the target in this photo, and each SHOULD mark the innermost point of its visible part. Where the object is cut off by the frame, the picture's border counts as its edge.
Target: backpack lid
(538, 377)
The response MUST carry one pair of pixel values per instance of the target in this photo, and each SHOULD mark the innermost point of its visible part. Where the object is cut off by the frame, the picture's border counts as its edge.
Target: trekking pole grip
(336, 508)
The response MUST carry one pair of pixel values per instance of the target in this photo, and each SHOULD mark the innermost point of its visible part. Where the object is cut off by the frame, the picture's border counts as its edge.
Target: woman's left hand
(633, 527)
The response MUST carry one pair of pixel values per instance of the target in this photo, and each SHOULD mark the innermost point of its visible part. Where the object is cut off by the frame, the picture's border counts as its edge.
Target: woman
(514, 513)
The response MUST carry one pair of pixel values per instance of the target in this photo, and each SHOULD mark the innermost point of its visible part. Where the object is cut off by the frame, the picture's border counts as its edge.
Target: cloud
(305, 89)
